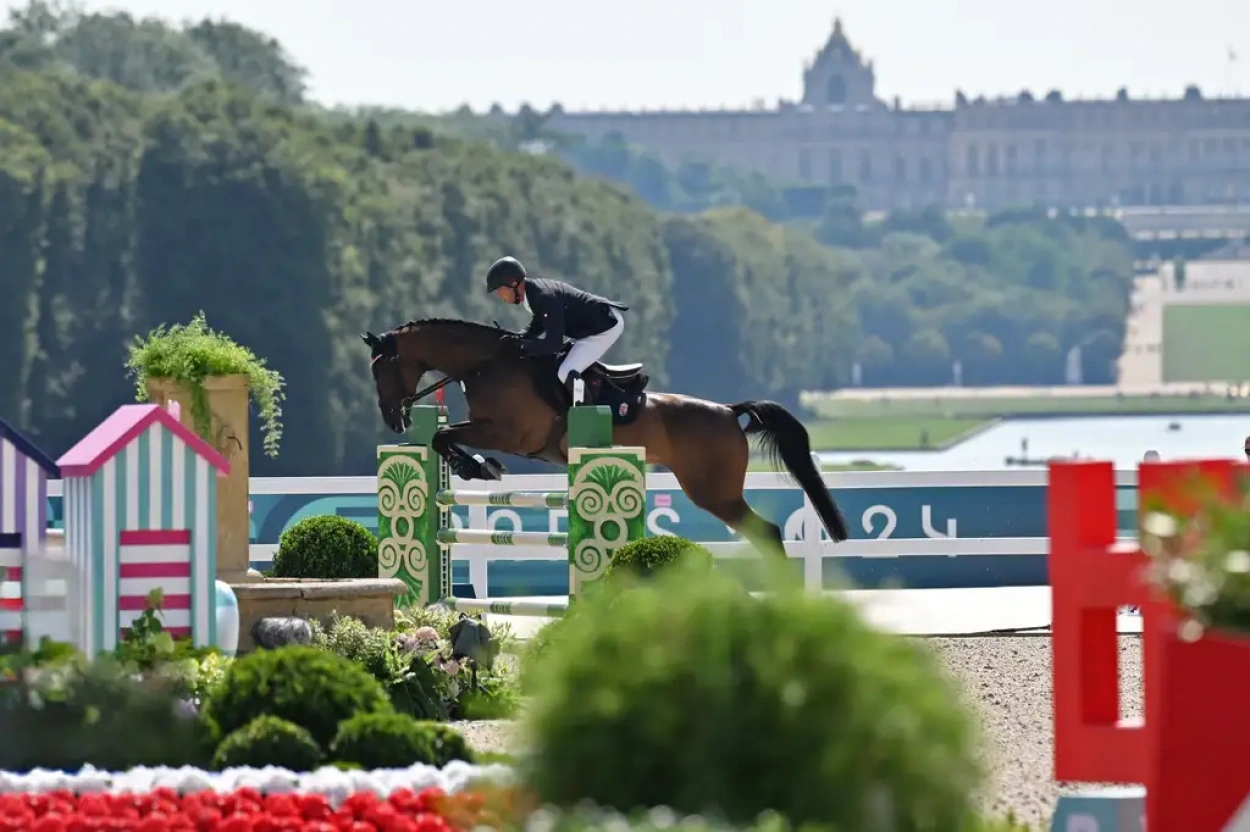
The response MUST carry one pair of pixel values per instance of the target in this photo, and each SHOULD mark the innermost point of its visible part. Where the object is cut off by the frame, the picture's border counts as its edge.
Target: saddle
(620, 387)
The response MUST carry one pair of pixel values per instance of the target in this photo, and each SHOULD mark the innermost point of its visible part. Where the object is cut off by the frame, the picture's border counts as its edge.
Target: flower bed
(417, 799)
(335, 784)
(243, 810)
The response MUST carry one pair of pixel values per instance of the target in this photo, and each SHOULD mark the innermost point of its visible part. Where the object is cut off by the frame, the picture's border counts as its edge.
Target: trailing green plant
(189, 354)
(741, 704)
(326, 546)
(306, 685)
(268, 741)
(397, 741)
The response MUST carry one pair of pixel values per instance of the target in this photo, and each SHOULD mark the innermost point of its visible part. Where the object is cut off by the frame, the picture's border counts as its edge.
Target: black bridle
(406, 403)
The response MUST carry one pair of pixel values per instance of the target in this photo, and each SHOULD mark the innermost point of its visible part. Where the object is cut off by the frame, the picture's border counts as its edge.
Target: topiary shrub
(314, 689)
(643, 558)
(396, 741)
(268, 741)
(326, 546)
(737, 704)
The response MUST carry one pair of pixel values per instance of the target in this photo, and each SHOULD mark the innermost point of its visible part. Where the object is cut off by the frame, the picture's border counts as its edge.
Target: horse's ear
(370, 339)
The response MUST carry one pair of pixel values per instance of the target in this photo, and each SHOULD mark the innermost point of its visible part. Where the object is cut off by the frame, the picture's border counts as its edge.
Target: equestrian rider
(561, 313)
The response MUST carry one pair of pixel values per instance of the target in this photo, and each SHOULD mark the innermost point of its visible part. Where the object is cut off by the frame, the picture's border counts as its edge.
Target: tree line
(148, 172)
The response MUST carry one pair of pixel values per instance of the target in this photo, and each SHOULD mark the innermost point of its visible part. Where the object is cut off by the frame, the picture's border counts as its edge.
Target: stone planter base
(372, 600)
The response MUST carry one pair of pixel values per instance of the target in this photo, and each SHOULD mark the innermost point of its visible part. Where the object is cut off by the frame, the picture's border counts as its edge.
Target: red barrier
(1189, 752)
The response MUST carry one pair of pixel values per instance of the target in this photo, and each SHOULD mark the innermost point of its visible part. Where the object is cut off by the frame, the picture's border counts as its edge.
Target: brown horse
(515, 407)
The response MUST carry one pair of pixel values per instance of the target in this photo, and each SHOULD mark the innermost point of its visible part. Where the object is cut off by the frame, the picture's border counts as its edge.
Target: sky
(712, 54)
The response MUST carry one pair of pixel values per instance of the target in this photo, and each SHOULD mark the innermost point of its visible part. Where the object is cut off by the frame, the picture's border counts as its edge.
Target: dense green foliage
(644, 557)
(310, 687)
(268, 741)
(68, 712)
(397, 741)
(326, 546)
(788, 702)
(136, 192)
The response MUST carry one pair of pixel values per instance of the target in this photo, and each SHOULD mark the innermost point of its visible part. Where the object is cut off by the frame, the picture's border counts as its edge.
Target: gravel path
(1008, 681)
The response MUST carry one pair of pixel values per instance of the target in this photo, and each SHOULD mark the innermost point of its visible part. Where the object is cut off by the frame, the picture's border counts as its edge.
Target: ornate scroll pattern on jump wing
(607, 493)
(403, 495)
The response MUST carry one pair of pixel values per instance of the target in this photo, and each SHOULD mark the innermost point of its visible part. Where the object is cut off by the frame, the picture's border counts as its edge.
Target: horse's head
(395, 377)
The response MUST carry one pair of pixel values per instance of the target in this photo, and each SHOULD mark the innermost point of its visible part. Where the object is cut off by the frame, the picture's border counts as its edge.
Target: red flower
(236, 823)
(245, 810)
(314, 807)
(55, 822)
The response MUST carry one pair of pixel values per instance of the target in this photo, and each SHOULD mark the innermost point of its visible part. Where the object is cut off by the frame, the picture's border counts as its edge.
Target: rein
(409, 401)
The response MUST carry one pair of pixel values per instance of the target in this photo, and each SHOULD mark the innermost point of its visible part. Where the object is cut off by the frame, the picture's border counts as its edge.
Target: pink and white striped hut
(140, 498)
(24, 473)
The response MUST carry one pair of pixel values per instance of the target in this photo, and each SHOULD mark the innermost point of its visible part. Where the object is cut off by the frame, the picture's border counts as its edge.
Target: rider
(561, 313)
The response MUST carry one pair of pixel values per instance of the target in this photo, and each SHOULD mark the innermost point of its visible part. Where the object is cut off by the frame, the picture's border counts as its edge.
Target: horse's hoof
(496, 464)
(488, 469)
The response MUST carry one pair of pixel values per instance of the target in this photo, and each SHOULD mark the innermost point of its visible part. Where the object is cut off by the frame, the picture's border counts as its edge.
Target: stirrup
(578, 390)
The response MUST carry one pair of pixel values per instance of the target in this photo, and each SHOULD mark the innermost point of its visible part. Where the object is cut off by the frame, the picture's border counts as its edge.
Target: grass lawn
(895, 434)
(1206, 343)
(940, 408)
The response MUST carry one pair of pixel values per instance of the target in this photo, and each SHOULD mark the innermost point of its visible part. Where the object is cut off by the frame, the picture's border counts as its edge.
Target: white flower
(334, 784)
(1180, 571)
(1237, 562)
(1158, 524)
(1190, 630)
(1199, 593)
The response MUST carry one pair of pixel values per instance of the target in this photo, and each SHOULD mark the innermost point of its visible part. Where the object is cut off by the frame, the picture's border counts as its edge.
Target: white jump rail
(478, 499)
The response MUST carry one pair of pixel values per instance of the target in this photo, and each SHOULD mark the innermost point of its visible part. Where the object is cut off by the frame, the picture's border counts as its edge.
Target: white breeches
(589, 350)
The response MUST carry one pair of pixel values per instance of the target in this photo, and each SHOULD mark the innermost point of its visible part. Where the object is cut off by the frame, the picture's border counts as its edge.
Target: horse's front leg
(476, 434)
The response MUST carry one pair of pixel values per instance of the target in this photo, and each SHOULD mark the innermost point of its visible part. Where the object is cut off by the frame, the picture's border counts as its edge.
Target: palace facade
(977, 154)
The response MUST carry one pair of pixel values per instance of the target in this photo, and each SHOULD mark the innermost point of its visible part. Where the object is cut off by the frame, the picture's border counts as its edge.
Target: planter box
(228, 435)
(1201, 731)
(372, 600)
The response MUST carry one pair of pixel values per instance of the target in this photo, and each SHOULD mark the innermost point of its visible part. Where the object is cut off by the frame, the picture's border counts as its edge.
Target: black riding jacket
(562, 311)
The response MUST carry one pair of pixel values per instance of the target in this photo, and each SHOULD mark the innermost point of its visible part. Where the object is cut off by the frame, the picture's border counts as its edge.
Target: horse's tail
(784, 439)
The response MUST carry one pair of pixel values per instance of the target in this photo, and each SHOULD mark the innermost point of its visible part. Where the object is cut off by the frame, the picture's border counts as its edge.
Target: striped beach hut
(140, 499)
(24, 472)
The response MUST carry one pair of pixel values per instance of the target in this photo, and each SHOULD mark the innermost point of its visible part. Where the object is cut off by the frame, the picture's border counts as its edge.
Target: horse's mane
(470, 331)
(473, 325)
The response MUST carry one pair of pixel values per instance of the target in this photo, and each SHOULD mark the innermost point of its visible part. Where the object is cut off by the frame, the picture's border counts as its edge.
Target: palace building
(977, 154)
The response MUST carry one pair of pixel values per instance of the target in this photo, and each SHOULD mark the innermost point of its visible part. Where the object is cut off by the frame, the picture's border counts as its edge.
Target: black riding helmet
(506, 271)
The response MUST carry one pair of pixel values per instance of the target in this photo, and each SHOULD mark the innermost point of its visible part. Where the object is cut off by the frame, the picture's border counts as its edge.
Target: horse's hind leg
(714, 483)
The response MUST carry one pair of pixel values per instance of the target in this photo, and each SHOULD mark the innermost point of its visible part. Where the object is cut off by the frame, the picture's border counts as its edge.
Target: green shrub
(71, 713)
(413, 687)
(642, 558)
(396, 741)
(352, 639)
(268, 741)
(326, 546)
(308, 686)
(724, 701)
